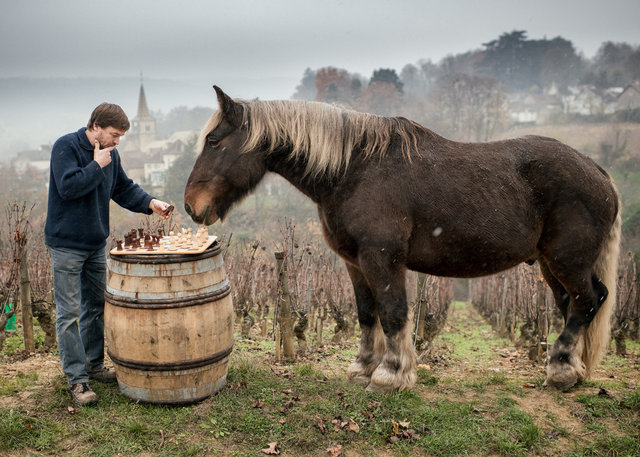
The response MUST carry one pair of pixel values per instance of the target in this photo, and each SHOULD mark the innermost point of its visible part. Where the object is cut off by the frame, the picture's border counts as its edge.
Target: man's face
(107, 137)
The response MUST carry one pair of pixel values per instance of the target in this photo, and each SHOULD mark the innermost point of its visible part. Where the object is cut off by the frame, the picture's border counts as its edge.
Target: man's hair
(109, 115)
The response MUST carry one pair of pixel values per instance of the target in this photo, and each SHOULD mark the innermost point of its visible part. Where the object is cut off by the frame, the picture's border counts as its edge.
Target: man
(85, 175)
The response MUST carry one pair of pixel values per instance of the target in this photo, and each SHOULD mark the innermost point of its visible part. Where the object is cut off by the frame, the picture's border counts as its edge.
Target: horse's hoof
(360, 379)
(372, 387)
(562, 376)
(356, 373)
(385, 380)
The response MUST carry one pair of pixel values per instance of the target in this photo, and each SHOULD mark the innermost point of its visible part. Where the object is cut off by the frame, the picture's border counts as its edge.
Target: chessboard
(183, 241)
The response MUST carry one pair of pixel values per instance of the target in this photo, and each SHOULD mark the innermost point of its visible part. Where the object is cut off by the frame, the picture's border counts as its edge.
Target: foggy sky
(250, 48)
(257, 39)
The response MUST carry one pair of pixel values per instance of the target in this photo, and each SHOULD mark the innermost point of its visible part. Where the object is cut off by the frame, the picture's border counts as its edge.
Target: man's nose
(117, 141)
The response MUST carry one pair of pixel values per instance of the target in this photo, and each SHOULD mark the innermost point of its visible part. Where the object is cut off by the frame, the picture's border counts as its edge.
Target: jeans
(79, 279)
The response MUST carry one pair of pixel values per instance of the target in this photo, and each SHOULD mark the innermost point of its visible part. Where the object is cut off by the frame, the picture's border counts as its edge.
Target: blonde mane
(324, 134)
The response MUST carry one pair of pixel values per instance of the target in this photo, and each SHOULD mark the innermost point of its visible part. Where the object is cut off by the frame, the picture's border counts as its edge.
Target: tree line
(464, 96)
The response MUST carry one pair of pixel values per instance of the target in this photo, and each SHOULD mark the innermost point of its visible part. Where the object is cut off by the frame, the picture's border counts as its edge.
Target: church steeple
(143, 109)
(143, 126)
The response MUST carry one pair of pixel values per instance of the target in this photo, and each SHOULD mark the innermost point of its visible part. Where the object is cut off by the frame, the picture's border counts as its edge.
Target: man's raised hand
(102, 156)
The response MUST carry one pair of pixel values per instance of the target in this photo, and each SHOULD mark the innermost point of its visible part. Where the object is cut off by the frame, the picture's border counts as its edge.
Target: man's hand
(161, 208)
(102, 156)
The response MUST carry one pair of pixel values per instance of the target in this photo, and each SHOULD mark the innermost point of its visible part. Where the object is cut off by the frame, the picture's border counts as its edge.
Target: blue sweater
(80, 191)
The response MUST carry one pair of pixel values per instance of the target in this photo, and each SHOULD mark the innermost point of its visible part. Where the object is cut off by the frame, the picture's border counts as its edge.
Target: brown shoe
(83, 395)
(103, 374)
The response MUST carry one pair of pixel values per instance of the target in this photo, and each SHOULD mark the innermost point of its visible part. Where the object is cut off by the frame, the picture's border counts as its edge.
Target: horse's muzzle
(206, 216)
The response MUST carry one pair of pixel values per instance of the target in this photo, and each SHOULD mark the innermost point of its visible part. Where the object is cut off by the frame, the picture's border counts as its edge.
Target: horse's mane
(324, 134)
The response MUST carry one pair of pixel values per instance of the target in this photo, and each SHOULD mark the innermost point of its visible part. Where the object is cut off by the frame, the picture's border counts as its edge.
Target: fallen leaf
(287, 392)
(335, 451)
(240, 385)
(604, 392)
(71, 410)
(258, 404)
(351, 426)
(272, 449)
(529, 385)
(322, 427)
(287, 405)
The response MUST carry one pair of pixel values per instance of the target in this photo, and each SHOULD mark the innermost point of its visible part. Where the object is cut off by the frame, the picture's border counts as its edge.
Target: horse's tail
(598, 334)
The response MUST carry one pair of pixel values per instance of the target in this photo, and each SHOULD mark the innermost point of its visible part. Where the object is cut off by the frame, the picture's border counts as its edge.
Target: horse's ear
(231, 110)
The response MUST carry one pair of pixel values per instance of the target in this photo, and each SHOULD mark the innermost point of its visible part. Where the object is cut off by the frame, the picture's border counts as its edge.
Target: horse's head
(223, 173)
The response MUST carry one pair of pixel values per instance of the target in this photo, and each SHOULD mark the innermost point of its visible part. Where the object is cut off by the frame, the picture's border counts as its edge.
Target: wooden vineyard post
(541, 311)
(502, 320)
(422, 304)
(278, 344)
(284, 310)
(322, 315)
(25, 298)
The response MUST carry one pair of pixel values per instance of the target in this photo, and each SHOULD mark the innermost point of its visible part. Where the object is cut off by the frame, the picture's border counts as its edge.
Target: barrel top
(211, 251)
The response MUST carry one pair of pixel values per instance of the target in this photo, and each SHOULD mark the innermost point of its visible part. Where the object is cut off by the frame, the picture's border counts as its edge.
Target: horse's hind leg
(372, 344)
(386, 278)
(587, 293)
(560, 294)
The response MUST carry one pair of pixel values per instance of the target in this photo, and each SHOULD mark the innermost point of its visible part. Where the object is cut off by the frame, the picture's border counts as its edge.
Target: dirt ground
(549, 408)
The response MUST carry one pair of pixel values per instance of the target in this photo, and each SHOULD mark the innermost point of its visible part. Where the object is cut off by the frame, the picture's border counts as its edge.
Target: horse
(394, 196)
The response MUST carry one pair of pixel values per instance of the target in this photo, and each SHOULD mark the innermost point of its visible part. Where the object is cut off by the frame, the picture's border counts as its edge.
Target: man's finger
(97, 147)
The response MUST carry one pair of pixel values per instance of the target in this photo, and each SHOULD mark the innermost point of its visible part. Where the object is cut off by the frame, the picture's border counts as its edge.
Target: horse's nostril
(187, 208)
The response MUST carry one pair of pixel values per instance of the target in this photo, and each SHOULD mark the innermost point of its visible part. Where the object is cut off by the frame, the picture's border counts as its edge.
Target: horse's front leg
(372, 344)
(385, 273)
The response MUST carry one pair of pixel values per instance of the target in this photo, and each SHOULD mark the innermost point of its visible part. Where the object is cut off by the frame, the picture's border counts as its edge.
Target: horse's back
(498, 200)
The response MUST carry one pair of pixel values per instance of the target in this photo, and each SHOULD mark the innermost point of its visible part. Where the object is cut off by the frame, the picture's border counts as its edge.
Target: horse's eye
(213, 142)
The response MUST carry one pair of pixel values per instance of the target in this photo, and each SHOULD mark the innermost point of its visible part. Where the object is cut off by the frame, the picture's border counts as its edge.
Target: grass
(462, 406)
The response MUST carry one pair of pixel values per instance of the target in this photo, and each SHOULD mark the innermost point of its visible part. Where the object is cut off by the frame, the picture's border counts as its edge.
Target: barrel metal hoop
(172, 366)
(163, 303)
(155, 259)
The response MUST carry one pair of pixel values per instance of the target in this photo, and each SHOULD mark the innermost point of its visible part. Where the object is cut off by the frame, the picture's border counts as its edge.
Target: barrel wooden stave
(169, 326)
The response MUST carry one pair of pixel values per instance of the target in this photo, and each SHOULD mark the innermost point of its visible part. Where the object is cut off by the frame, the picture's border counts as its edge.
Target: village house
(629, 99)
(586, 100)
(526, 108)
(33, 160)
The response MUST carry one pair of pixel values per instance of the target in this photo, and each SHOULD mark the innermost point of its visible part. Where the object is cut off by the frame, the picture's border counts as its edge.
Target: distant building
(527, 108)
(33, 159)
(630, 97)
(143, 126)
(146, 158)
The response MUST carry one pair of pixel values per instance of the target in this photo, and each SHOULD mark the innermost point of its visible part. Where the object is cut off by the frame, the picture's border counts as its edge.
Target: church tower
(143, 126)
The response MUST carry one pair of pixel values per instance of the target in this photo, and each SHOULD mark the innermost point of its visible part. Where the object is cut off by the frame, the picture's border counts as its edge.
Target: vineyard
(301, 293)
(479, 391)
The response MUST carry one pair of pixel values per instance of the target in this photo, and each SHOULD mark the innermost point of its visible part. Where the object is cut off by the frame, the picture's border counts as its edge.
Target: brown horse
(393, 195)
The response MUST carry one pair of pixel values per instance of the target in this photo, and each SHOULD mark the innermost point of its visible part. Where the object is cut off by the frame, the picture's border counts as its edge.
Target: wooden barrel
(169, 325)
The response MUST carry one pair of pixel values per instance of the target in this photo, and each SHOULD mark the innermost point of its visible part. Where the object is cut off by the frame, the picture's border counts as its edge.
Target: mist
(61, 59)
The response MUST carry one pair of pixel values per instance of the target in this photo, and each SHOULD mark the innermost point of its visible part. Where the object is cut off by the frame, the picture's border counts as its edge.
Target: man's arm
(72, 180)
(131, 196)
